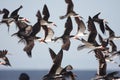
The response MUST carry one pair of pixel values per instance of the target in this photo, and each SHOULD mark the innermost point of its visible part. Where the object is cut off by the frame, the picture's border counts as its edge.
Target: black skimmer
(9, 19)
(65, 37)
(27, 33)
(49, 33)
(100, 22)
(32, 31)
(81, 28)
(24, 35)
(66, 71)
(87, 45)
(112, 35)
(44, 19)
(5, 16)
(57, 63)
(91, 42)
(22, 24)
(29, 42)
(5, 61)
(102, 63)
(70, 12)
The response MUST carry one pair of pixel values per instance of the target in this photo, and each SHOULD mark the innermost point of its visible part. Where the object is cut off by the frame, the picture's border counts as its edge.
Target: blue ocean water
(38, 74)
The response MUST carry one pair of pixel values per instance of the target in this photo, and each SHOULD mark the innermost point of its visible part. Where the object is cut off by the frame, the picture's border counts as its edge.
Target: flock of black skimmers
(105, 49)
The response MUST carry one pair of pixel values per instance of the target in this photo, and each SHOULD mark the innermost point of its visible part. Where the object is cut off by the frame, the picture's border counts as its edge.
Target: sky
(40, 54)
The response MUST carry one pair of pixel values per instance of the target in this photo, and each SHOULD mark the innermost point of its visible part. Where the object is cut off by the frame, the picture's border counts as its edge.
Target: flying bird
(91, 42)
(102, 63)
(66, 35)
(70, 12)
(81, 28)
(3, 56)
(49, 33)
(64, 72)
(112, 35)
(5, 62)
(100, 22)
(27, 34)
(44, 19)
(57, 63)
(9, 19)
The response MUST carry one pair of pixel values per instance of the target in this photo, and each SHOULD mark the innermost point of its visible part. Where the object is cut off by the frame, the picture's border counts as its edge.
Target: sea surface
(38, 74)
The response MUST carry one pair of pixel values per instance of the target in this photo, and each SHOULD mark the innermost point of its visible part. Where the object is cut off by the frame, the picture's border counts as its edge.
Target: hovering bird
(29, 41)
(44, 19)
(81, 28)
(102, 63)
(67, 73)
(70, 12)
(49, 33)
(91, 42)
(27, 34)
(64, 72)
(9, 19)
(112, 35)
(66, 35)
(100, 22)
(103, 45)
(5, 61)
(3, 56)
(57, 63)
